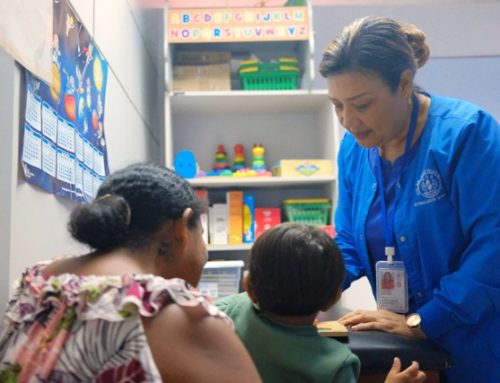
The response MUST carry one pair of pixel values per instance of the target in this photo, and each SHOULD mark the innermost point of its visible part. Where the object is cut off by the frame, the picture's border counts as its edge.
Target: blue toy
(185, 164)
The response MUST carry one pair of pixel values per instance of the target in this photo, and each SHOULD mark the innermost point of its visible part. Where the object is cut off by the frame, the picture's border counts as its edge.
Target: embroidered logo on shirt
(429, 186)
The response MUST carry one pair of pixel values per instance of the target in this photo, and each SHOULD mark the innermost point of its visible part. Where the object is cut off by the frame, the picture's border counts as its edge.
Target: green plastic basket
(308, 211)
(269, 76)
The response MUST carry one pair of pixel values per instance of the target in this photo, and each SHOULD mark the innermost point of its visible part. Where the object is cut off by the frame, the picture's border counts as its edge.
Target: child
(295, 271)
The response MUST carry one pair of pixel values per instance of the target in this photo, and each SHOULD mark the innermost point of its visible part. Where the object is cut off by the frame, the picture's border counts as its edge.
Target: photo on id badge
(392, 288)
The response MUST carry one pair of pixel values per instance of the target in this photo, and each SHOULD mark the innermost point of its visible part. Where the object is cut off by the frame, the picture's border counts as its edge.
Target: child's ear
(247, 285)
(334, 300)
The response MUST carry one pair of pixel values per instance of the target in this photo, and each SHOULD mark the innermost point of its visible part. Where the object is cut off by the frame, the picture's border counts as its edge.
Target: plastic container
(221, 278)
(313, 211)
(281, 75)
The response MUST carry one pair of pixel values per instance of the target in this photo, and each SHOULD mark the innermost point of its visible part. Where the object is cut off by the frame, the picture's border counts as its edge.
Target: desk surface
(377, 349)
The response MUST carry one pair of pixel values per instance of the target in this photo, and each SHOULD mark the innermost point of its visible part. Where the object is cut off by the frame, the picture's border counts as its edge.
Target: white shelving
(235, 102)
(230, 248)
(291, 124)
(259, 182)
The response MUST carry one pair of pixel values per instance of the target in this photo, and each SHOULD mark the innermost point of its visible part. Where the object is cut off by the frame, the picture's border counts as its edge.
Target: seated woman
(126, 311)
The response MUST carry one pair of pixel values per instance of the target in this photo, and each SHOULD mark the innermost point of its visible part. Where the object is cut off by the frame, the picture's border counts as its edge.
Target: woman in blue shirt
(419, 195)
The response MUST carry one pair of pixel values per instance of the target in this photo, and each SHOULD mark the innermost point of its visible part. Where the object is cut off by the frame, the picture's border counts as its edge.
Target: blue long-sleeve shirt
(447, 228)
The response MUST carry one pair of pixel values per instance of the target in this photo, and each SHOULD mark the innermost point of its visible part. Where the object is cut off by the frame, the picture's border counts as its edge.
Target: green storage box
(312, 211)
(281, 75)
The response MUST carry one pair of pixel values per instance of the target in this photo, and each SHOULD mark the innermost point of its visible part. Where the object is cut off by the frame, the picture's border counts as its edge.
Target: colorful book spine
(265, 218)
(217, 223)
(235, 216)
(248, 218)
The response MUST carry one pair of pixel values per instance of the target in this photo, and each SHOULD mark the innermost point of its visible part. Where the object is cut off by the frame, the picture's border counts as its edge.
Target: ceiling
(394, 2)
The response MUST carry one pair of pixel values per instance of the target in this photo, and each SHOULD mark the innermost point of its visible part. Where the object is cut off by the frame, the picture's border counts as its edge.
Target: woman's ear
(181, 227)
(406, 83)
(247, 286)
(334, 300)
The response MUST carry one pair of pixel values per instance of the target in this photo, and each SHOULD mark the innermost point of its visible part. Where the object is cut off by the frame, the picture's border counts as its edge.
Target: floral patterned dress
(69, 328)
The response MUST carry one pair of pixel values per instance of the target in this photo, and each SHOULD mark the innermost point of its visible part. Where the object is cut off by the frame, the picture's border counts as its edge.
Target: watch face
(413, 320)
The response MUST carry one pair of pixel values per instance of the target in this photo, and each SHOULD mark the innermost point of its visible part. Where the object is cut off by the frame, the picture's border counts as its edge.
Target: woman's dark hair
(295, 269)
(131, 205)
(376, 45)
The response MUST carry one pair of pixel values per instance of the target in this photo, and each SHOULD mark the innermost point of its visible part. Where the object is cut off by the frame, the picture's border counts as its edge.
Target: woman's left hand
(381, 320)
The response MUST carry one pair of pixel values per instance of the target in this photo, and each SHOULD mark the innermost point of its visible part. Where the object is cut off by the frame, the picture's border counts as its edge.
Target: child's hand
(411, 375)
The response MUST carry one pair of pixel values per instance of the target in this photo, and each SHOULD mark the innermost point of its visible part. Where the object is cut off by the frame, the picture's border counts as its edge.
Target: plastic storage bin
(282, 75)
(221, 278)
(313, 211)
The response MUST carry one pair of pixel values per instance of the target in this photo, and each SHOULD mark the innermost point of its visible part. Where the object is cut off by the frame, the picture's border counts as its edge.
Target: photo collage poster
(63, 145)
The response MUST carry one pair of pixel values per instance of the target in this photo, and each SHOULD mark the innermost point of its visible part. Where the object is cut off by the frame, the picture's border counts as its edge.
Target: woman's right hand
(411, 375)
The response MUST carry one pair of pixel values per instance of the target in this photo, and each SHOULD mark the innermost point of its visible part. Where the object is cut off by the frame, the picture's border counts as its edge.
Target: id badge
(392, 286)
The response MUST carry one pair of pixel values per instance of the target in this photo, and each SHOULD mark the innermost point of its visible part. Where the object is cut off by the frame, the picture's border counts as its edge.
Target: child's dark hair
(295, 269)
(131, 205)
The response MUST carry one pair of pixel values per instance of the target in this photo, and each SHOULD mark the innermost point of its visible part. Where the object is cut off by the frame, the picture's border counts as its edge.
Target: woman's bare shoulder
(65, 264)
(190, 345)
(103, 264)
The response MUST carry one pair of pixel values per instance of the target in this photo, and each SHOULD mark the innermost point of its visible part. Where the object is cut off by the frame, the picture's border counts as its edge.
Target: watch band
(413, 322)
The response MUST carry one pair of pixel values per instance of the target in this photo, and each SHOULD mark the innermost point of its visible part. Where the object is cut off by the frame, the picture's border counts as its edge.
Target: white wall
(7, 94)
(464, 62)
(463, 38)
(129, 33)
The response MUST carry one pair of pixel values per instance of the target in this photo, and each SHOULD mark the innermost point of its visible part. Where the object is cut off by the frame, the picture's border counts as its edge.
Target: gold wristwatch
(413, 323)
